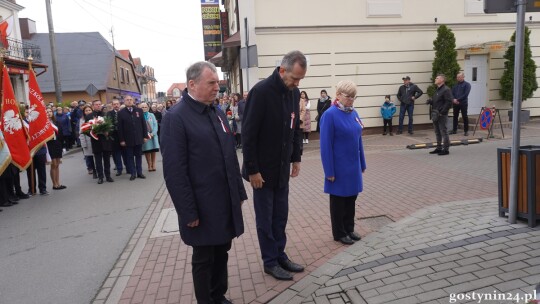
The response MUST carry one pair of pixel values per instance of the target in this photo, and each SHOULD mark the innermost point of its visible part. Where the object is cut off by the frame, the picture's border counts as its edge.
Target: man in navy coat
(132, 133)
(271, 138)
(203, 178)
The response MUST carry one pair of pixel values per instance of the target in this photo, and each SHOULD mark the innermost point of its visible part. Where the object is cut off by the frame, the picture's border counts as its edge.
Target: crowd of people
(134, 131)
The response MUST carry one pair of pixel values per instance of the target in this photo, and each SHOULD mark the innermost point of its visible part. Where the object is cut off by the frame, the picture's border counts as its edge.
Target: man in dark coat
(132, 132)
(102, 147)
(461, 102)
(118, 151)
(272, 140)
(202, 175)
(441, 103)
(407, 94)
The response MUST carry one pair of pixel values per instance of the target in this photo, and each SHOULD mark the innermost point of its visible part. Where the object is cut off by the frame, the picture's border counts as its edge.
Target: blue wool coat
(342, 152)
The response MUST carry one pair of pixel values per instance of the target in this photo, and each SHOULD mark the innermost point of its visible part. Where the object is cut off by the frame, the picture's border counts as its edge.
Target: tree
(445, 61)
(529, 71)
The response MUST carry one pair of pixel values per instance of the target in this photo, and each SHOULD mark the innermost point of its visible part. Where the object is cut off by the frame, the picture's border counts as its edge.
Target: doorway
(476, 74)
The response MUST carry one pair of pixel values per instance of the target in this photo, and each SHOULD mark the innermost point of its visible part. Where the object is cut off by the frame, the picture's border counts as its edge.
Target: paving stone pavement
(429, 257)
(464, 247)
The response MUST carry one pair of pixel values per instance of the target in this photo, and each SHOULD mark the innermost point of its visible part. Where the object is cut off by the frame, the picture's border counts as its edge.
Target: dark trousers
(271, 212)
(134, 159)
(4, 196)
(409, 109)
(39, 162)
(89, 159)
(342, 215)
(103, 163)
(387, 122)
(16, 179)
(462, 107)
(441, 133)
(119, 155)
(209, 267)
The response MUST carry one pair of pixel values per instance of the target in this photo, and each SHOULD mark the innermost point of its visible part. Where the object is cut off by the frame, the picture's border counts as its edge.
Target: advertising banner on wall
(211, 24)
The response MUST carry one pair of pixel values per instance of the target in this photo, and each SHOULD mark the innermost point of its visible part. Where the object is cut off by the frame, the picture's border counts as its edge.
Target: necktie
(130, 110)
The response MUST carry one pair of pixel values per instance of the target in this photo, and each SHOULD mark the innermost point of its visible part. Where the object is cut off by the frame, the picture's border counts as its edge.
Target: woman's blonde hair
(346, 87)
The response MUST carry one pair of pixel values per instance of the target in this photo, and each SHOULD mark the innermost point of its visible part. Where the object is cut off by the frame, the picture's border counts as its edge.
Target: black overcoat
(132, 127)
(202, 173)
(103, 143)
(271, 133)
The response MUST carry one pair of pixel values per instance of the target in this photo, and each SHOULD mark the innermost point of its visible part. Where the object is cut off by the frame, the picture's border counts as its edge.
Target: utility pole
(516, 125)
(56, 74)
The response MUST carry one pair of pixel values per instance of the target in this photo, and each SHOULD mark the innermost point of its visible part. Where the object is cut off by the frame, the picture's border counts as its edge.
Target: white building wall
(376, 52)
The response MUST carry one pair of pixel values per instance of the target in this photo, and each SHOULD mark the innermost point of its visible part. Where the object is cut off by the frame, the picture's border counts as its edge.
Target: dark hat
(82, 102)
(406, 78)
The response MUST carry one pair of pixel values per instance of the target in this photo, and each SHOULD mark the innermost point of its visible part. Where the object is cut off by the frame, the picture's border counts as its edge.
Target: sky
(165, 34)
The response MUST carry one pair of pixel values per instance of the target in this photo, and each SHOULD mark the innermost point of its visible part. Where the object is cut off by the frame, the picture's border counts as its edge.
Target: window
(475, 74)
(384, 8)
(176, 92)
(474, 7)
(127, 76)
(122, 79)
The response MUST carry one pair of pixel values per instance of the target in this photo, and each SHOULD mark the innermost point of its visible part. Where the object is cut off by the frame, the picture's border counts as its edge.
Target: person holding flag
(12, 124)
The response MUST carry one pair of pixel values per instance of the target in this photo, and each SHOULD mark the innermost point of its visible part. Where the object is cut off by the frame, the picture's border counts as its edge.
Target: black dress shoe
(12, 202)
(466, 134)
(399, 132)
(278, 273)
(436, 151)
(411, 132)
(452, 132)
(223, 301)
(6, 204)
(141, 176)
(100, 181)
(346, 240)
(355, 236)
(94, 175)
(45, 192)
(290, 266)
(444, 152)
(23, 196)
(118, 173)
(133, 177)
(109, 179)
(13, 198)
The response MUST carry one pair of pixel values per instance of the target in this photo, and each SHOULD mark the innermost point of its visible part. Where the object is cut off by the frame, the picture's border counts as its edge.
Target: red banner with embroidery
(12, 125)
(40, 129)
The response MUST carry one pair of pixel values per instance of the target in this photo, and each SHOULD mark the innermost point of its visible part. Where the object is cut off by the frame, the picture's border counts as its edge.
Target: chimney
(28, 28)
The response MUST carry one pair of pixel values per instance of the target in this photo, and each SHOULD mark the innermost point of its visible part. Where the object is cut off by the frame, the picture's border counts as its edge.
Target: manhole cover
(376, 222)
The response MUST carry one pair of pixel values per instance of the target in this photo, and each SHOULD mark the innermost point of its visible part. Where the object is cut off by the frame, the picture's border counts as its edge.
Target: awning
(217, 60)
(486, 46)
(233, 41)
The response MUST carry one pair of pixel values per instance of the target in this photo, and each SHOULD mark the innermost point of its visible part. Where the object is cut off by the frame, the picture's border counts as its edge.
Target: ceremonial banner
(39, 127)
(5, 156)
(12, 125)
(211, 28)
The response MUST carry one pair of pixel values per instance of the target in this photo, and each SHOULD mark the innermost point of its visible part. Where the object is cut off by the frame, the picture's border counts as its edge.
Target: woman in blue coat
(343, 160)
(151, 146)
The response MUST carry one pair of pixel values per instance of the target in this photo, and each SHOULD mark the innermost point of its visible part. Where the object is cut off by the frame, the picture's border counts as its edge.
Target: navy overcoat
(202, 173)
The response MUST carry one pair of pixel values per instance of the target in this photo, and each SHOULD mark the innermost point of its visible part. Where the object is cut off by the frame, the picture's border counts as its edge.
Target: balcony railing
(18, 49)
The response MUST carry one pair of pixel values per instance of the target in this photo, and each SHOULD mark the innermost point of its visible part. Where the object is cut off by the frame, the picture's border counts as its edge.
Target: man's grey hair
(461, 74)
(442, 75)
(292, 58)
(194, 72)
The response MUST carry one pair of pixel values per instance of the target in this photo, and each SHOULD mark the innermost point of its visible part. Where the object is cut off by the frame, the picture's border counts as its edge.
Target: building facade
(90, 68)
(16, 51)
(377, 42)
